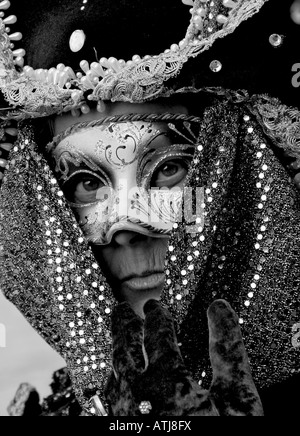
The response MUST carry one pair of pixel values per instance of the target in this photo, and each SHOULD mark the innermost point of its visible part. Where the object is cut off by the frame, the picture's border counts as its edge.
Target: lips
(146, 282)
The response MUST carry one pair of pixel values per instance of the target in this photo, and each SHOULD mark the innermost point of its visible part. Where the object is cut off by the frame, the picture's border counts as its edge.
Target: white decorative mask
(121, 176)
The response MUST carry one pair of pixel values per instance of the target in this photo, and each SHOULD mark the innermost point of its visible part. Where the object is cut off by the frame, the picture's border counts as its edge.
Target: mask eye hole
(83, 188)
(170, 174)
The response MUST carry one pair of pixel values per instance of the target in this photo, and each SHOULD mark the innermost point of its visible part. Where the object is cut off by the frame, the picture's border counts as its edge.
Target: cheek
(160, 249)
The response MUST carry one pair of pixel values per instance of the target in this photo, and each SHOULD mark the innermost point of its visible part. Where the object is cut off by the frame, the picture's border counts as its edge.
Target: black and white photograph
(150, 211)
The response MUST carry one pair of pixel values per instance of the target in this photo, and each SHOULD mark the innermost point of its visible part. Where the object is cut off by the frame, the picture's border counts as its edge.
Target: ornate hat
(61, 56)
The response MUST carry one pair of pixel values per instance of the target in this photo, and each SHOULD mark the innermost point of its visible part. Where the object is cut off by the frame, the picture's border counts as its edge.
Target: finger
(160, 338)
(233, 388)
(127, 341)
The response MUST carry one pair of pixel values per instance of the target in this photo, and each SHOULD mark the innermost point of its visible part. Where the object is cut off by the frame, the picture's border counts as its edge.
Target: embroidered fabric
(280, 123)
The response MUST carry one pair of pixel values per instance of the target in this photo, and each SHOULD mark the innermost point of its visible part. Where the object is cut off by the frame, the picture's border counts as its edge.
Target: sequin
(215, 66)
(276, 40)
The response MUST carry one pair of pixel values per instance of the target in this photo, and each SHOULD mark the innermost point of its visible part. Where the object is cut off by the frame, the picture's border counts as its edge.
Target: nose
(128, 238)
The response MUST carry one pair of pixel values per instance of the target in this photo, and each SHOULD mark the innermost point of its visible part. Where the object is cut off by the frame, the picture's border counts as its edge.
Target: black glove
(150, 375)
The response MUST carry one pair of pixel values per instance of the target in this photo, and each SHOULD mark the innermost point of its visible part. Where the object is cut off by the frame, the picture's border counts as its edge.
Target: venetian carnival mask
(124, 175)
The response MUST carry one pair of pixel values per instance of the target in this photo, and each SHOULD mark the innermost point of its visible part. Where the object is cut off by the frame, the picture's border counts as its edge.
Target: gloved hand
(150, 375)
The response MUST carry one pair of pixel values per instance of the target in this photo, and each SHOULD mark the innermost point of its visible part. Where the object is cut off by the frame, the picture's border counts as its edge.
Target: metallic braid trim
(121, 119)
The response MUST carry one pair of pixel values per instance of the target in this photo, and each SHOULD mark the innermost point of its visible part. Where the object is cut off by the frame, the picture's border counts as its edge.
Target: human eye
(83, 188)
(170, 174)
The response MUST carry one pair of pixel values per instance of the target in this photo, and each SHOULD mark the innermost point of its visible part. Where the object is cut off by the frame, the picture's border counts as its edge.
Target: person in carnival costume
(149, 208)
